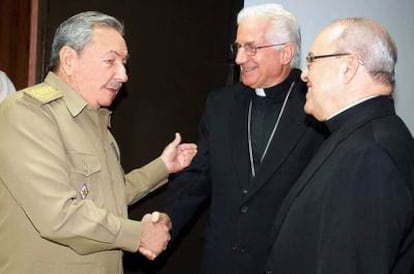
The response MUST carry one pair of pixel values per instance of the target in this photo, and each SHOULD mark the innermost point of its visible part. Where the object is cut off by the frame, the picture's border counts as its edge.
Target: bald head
(350, 60)
(371, 42)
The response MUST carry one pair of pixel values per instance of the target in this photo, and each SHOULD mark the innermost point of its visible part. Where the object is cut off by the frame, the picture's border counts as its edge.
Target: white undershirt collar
(260, 92)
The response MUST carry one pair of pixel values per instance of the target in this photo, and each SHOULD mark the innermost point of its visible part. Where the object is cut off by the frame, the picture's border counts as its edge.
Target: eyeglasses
(310, 58)
(249, 48)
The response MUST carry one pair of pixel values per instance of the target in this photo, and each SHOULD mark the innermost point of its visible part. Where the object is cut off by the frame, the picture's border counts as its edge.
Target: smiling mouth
(245, 70)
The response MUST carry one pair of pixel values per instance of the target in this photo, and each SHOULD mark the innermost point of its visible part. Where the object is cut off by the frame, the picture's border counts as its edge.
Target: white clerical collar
(260, 92)
(352, 105)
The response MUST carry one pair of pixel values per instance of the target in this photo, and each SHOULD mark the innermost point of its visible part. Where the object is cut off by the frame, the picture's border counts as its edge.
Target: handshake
(155, 234)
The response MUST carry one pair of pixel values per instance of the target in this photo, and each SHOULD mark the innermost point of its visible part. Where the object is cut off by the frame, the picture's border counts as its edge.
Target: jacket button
(268, 271)
(244, 209)
(245, 191)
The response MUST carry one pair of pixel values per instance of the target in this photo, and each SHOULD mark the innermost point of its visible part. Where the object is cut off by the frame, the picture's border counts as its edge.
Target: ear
(287, 53)
(350, 68)
(67, 59)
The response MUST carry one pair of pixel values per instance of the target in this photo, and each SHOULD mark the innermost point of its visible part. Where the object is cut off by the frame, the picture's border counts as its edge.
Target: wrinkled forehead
(326, 40)
(252, 30)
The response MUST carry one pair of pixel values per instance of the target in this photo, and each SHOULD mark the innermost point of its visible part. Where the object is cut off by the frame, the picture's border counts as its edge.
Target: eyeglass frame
(234, 47)
(310, 58)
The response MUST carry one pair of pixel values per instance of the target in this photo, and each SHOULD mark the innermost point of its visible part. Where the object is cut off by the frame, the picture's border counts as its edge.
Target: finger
(147, 253)
(187, 147)
(177, 139)
(155, 216)
(165, 219)
(166, 243)
(147, 217)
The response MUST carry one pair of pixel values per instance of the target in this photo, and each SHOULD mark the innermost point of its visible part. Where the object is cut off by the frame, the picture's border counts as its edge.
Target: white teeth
(246, 69)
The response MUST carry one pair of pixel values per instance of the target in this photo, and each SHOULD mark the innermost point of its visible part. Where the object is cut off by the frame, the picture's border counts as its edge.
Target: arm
(190, 189)
(35, 169)
(366, 215)
(175, 157)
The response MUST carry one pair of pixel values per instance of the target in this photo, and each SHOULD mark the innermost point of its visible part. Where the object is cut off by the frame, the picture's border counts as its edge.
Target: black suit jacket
(242, 211)
(352, 210)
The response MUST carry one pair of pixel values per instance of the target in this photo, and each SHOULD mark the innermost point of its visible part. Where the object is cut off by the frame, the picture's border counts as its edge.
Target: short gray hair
(77, 31)
(284, 26)
(372, 43)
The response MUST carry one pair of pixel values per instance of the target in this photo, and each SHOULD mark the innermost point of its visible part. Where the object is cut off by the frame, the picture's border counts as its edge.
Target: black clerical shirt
(265, 111)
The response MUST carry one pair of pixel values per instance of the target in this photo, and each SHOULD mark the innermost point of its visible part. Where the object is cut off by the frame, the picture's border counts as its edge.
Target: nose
(241, 56)
(121, 73)
(304, 75)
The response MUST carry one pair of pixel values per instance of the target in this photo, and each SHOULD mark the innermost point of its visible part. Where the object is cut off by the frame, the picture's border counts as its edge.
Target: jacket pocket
(85, 175)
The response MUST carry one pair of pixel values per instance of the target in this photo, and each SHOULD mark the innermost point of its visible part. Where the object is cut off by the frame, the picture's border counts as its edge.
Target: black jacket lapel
(238, 135)
(289, 132)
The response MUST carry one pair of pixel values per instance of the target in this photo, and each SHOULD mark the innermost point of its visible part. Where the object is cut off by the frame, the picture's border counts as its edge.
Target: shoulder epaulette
(43, 93)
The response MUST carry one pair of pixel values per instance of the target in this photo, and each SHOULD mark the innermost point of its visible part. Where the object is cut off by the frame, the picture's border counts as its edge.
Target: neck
(359, 95)
(286, 70)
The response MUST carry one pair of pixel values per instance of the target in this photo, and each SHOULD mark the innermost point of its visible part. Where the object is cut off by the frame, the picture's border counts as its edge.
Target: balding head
(350, 60)
(372, 43)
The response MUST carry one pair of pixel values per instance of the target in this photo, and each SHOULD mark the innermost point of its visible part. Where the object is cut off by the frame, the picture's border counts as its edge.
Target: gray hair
(77, 31)
(372, 43)
(284, 26)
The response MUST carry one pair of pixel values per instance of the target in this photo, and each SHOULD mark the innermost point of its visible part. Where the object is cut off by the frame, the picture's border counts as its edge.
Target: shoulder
(229, 92)
(6, 85)
(3, 77)
(42, 93)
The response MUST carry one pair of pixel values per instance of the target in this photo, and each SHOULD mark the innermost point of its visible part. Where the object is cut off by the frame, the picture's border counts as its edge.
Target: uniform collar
(74, 102)
(279, 91)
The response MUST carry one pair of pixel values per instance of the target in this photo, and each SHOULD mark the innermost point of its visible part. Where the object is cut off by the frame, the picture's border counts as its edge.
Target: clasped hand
(155, 234)
(156, 226)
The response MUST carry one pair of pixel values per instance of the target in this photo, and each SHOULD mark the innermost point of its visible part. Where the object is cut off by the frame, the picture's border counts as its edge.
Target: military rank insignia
(83, 192)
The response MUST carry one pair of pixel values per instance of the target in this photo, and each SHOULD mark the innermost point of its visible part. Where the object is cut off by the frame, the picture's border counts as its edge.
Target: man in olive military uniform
(63, 193)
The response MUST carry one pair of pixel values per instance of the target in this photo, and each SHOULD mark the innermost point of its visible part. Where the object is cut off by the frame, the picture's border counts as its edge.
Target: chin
(307, 108)
(106, 103)
(249, 82)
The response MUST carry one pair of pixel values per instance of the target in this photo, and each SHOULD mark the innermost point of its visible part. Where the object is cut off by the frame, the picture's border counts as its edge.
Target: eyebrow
(117, 54)
(248, 42)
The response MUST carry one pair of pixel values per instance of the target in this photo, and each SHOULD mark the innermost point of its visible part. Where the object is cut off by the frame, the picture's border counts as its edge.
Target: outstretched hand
(177, 156)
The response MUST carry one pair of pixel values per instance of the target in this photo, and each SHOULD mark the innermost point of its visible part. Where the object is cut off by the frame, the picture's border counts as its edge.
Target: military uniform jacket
(63, 193)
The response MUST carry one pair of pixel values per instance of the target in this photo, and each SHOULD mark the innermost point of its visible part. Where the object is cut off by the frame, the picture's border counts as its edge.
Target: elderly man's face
(264, 69)
(323, 77)
(99, 70)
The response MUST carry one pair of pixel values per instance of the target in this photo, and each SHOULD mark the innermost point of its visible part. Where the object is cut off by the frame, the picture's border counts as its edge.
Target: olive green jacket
(63, 193)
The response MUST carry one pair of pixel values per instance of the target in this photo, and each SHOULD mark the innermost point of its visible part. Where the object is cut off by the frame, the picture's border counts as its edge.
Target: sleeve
(366, 214)
(141, 181)
(35, 171)
(189, 190)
